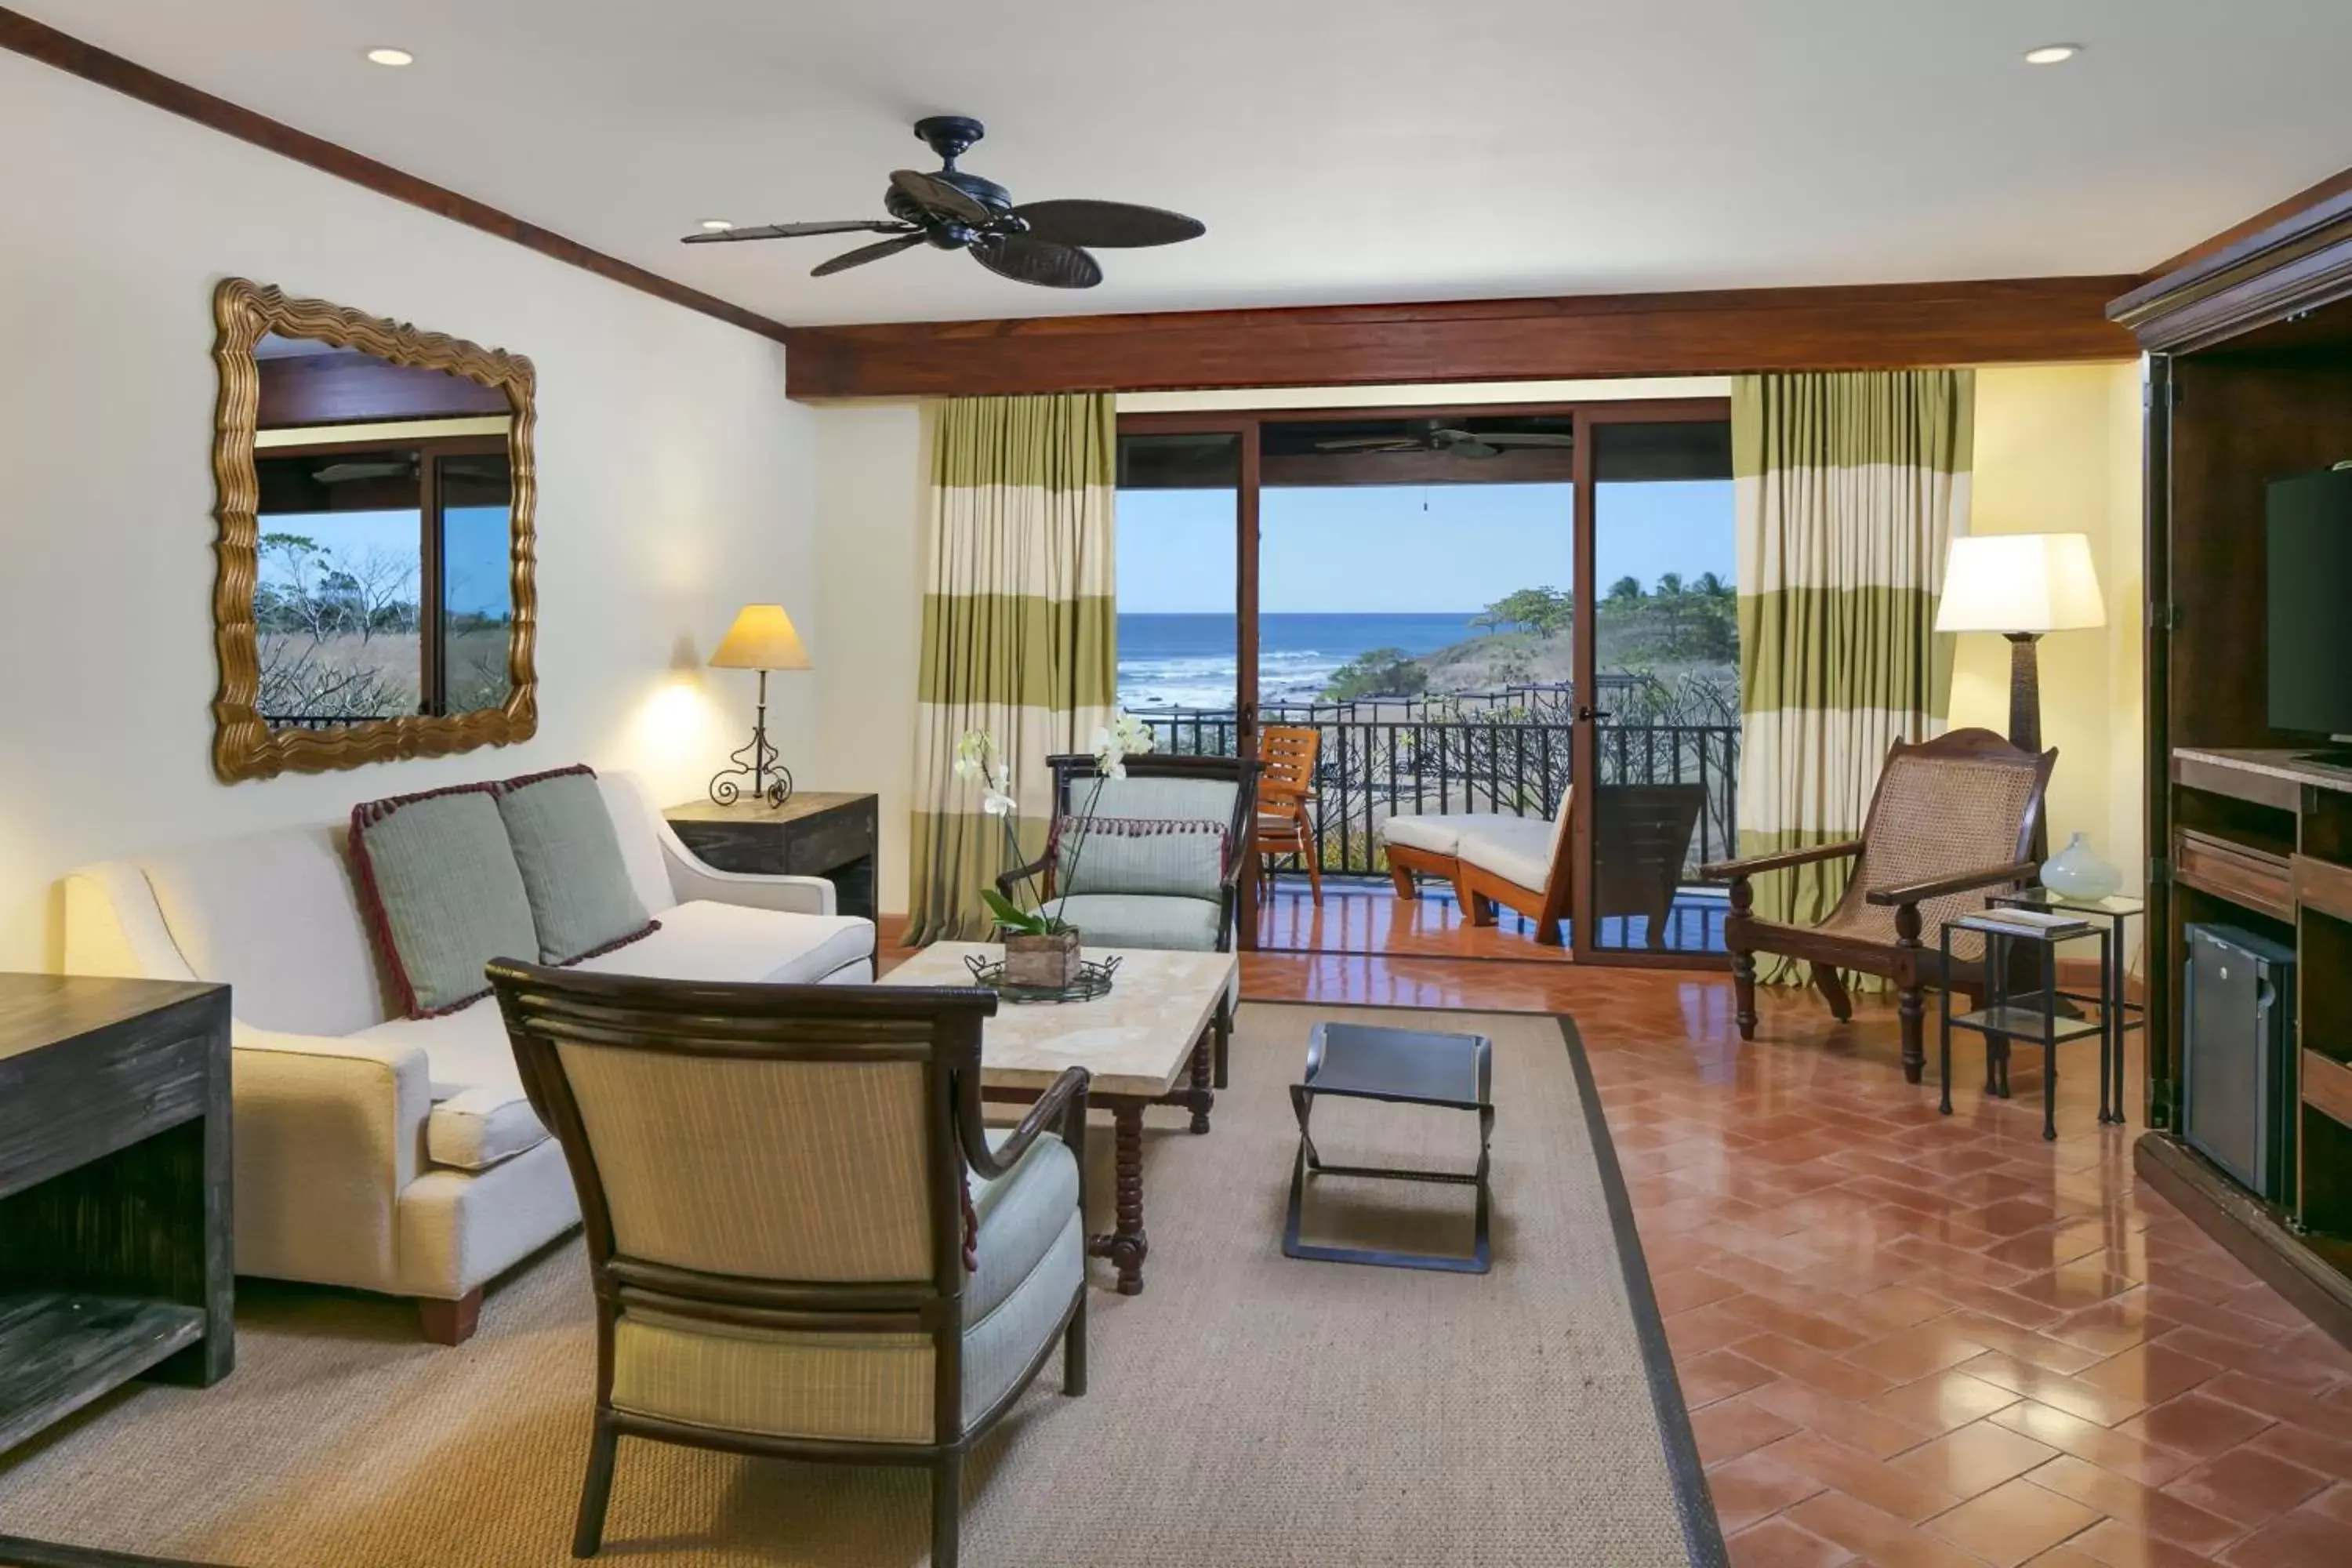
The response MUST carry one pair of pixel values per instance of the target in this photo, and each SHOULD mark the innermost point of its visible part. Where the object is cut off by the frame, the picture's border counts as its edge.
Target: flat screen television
(2310, 521)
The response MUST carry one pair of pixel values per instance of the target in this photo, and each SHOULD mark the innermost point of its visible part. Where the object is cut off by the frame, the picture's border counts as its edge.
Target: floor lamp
(2021, 585)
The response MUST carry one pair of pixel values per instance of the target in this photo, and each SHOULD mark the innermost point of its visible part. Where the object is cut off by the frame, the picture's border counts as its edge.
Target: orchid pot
(1045, 960)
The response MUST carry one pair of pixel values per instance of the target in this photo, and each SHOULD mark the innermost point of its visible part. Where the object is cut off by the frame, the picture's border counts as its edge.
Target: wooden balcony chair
(803, 1243)
(1952, 820)
(1286, 798)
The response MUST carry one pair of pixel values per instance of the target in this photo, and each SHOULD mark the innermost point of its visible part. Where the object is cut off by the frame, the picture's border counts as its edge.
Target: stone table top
(1137, 1040)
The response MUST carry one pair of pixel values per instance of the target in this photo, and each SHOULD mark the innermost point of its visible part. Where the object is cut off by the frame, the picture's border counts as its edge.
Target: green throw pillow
(1172, 858)
(437, 877)
(570, 858)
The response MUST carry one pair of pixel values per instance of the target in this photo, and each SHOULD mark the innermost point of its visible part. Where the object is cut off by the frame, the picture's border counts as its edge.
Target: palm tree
(1625, 591)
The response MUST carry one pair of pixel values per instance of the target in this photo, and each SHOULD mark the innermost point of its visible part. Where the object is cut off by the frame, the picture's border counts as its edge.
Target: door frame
(1246, 424)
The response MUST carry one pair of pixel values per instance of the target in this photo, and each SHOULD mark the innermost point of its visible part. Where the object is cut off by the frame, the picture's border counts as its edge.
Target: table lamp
(2021, 585)
(762, 639)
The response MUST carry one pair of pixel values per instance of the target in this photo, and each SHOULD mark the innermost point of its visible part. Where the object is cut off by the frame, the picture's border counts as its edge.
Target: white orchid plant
(980, 760)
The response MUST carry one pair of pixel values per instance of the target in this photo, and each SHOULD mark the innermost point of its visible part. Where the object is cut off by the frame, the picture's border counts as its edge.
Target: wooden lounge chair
(1952, 820)
(1527, 864)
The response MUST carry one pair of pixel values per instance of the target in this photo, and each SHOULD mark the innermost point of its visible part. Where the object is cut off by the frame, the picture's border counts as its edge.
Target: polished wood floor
(1912, 1340)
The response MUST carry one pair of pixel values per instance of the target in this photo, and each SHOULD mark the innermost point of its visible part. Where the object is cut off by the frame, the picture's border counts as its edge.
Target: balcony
(1506, 751)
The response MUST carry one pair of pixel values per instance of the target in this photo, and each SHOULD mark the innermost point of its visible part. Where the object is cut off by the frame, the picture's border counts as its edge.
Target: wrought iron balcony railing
(1379, 757)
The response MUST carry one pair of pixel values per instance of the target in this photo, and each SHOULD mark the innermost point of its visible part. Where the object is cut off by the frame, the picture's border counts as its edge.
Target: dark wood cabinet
(115, 1250)
(2250, 379)
(813, 834)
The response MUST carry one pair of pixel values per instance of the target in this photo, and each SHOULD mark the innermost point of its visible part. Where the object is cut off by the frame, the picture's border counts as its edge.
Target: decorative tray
(1094, 980)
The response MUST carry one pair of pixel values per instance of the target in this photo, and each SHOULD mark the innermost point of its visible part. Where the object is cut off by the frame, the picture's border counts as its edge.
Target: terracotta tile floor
(1909, 1340)
(1912, 1340)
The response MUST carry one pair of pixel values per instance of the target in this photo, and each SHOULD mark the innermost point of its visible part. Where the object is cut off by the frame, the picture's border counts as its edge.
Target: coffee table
(1162, 1019)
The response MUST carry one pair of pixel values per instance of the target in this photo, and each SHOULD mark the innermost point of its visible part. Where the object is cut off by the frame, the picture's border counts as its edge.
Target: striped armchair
(804, 1242)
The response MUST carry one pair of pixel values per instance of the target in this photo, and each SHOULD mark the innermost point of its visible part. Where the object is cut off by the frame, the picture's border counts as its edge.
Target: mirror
(375, 596)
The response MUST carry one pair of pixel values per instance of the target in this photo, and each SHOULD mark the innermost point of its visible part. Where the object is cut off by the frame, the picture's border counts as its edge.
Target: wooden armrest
(1014, 878)
(1728, 871)
(1967, 881)
(1064, 1101)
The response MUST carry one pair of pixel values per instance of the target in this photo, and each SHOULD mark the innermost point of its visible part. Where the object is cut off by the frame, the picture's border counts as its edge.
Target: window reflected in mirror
(384, 583)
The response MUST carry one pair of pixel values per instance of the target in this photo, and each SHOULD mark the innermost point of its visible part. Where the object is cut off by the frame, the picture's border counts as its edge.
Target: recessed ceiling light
(717, 224)
(392, 56)
(2053, 54)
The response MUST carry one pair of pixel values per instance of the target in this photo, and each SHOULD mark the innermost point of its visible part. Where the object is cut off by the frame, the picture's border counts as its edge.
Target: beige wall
(2058, 451)
(675, 481)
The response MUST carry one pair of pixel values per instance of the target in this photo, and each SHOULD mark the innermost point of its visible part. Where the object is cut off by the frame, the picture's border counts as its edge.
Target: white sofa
(398, 1154)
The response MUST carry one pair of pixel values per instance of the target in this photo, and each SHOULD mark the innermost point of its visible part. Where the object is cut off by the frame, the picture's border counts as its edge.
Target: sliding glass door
(1660, 656)
(1525, 612)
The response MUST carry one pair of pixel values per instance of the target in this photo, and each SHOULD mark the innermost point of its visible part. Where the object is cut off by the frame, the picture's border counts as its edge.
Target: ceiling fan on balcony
(1437, 435)
(1044, 243)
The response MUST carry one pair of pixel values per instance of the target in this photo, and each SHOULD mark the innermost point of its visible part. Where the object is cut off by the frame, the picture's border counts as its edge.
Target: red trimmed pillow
(570, 857)
(438, 884)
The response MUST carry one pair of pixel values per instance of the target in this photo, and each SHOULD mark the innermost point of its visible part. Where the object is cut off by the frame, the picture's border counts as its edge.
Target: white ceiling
(1338, 150)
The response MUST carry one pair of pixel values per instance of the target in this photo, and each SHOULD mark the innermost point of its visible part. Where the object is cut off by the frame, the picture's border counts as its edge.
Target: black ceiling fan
(1038, 242)
(1437, 435)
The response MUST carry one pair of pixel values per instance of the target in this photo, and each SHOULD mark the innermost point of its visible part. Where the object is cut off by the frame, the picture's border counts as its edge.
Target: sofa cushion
(1516, 848)
(275, 917)
(1438, 833)
(437, 879)
(477, 1128)
(1135, 919)
(714, 941)
(570, 858)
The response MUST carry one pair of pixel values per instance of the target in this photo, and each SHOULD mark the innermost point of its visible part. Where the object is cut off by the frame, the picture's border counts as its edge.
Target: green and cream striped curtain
(1018, 625)
(1849, 487)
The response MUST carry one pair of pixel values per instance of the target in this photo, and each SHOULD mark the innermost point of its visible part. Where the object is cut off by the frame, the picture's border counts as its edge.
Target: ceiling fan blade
(1106, 225)
(864, 253)
(1473, 448)
(792, 230)
(935, 195)
(1027, 259)
(1370, 443)
(1525, 438)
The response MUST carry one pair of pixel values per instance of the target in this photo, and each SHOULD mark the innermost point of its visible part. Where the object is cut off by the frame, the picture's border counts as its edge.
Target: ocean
(1187, 662)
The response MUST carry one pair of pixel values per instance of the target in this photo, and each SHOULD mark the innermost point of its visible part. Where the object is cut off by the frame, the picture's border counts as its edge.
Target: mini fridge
(2238, 1082)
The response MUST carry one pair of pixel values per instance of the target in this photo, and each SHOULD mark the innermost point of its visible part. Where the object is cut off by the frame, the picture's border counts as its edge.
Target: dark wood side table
(813, 834)
(115, 1253)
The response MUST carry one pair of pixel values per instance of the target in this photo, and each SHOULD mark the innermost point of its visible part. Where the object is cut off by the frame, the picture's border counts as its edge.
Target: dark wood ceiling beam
(1873, 327)
(27, 37)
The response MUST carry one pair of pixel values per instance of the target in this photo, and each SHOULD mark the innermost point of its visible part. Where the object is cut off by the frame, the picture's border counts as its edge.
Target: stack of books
(2027, 922)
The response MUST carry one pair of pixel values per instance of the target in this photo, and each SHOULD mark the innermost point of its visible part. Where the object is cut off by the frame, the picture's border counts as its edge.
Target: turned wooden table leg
(1127, 1246)
(1199, 1098)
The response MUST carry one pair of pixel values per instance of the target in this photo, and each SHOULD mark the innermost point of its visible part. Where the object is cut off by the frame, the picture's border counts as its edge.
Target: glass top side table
(2114, 998)
(2041, 1017)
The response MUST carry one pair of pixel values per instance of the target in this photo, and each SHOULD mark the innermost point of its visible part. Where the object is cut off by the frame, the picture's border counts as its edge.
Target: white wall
(866, 640)
(676, 482)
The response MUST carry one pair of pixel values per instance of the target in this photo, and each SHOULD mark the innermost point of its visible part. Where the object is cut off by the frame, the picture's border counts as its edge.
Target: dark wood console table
(115, 1255)
(813, 834)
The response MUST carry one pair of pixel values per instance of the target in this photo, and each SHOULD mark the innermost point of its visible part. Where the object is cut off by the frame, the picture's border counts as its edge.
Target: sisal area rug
(1246, 1411)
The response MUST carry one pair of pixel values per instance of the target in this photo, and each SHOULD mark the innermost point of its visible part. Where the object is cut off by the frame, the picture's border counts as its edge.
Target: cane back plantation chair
(803, 1241)
(1951, 821)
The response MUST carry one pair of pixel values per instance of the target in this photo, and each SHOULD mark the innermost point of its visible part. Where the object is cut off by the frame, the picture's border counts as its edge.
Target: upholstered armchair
(804, 1242)
(1160, 863)
(1952, 820)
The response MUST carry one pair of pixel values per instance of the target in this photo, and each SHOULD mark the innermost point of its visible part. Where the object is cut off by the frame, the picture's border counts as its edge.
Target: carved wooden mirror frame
(244, 746)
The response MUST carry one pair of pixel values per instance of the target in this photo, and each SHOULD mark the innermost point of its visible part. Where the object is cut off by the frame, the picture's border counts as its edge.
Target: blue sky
(1391, 548)
(474, 539)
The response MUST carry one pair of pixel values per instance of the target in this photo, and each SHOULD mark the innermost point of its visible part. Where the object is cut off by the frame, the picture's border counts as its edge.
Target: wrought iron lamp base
(759, 761)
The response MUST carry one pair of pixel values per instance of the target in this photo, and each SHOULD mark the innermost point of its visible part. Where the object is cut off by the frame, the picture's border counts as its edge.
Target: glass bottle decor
(2079, 873)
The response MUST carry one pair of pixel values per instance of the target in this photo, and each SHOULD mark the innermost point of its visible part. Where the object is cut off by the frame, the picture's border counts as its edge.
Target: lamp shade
(2020, 583)
(762, 639)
